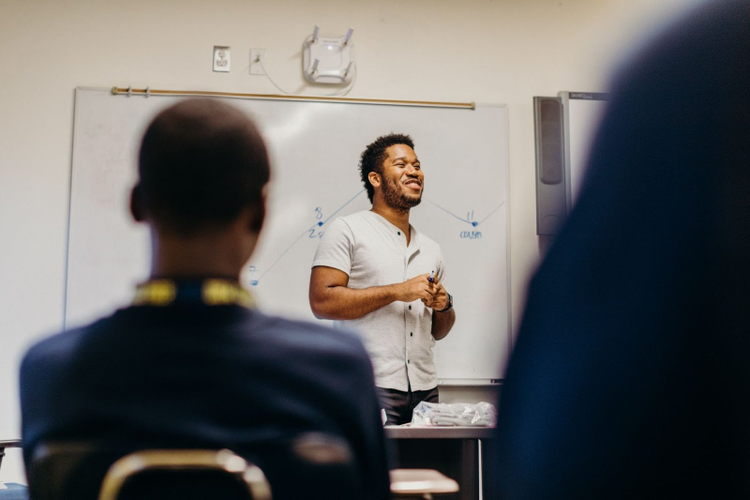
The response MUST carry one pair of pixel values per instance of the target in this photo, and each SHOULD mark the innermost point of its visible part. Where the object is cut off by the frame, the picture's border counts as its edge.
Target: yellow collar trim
(212, 292)
(220, 292)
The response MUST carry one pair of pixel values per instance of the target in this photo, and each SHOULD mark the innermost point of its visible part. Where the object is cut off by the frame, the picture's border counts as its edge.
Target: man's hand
(419, 287)
(443, 322)
(331, 297)
(440, 298)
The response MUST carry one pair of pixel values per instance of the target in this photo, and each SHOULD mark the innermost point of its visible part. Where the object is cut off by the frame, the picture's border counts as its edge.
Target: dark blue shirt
(204, 376)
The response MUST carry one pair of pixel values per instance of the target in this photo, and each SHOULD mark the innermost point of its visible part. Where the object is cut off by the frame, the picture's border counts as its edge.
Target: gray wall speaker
(551, 206)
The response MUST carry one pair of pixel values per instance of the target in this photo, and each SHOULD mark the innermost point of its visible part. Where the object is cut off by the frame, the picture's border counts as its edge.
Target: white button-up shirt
(373, 252)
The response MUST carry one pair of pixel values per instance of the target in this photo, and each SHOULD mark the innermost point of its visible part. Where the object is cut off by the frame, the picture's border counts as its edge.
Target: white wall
(501, 51)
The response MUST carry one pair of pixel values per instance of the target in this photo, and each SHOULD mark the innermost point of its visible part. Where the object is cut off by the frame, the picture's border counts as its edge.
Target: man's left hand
(439, 299)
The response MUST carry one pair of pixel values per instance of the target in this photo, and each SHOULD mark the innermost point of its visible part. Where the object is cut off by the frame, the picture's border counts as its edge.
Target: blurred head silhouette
(630, 375)
(202, 171)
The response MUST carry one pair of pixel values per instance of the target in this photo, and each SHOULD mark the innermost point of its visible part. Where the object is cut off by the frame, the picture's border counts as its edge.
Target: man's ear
(374, 179)
(137, 206)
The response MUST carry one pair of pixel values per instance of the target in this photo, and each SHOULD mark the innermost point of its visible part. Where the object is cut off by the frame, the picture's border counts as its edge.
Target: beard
(395, 197)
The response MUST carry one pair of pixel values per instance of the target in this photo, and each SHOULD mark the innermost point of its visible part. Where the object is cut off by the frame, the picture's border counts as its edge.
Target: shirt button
(408, 361)
(410, 308)
(399, 233)
(411, 334)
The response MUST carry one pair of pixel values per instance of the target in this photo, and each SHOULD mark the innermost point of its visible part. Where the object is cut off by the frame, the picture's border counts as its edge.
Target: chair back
(184, 474)
(311, 466)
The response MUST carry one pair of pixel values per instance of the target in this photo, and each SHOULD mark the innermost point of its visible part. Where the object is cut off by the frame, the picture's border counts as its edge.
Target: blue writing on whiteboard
(469, 219)
(251, 280)
(312, 232)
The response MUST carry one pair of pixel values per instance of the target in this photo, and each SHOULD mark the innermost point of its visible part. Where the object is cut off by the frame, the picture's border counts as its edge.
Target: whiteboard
(314, 149)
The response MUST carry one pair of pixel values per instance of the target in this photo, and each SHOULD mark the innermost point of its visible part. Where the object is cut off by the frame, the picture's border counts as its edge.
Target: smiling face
(401, 182)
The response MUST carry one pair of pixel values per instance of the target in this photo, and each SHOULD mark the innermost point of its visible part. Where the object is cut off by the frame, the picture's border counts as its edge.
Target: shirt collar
(212, 292)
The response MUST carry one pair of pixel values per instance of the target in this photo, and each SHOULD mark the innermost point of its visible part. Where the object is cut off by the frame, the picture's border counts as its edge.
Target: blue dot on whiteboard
(253, 282)
(475, 224)
(320, 223)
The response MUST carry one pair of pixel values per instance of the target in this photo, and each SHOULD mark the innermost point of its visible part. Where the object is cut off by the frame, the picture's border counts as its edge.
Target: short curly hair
(201, 163)
(375, 154)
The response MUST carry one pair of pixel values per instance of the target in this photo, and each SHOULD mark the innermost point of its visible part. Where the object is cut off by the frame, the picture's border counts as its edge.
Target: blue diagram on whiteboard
(469, 219)
(315, 232)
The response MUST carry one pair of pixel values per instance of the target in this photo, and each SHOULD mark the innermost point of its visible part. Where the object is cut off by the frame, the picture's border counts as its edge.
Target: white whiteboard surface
(315, 149)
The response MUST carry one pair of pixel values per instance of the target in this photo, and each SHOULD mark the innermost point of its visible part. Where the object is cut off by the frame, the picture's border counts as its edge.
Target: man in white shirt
(377, 274)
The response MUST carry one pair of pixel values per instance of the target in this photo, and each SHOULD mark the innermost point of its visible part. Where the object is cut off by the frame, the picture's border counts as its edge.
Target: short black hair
(201, 163)
(375, 154)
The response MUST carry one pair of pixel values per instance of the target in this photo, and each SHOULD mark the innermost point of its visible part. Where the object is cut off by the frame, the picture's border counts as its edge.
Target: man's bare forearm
(442, 322)
(331, 298)
(342, 303)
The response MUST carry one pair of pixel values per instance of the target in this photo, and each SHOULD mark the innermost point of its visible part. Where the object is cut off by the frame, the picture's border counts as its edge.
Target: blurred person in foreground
(191, 363)
(631, 374)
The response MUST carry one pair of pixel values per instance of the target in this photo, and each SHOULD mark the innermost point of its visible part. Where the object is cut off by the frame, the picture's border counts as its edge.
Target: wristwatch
(449, 306)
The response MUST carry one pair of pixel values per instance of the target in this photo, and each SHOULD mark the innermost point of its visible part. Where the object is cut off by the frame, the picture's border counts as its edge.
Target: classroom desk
(457, 452)
(9, 443)
(11, 491)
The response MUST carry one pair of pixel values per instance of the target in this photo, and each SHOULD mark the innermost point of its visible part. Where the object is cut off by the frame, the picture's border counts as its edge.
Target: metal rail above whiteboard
(129, 91)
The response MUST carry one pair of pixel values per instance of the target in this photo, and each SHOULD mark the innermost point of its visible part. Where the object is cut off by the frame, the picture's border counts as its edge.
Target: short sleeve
(335, 248)
(440, 267)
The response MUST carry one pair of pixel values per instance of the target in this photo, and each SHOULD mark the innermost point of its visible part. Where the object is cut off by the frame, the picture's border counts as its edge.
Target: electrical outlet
(256, 55)
(221, 59)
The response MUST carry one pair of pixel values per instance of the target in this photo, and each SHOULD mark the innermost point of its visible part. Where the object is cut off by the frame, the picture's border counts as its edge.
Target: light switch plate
(221, 59)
